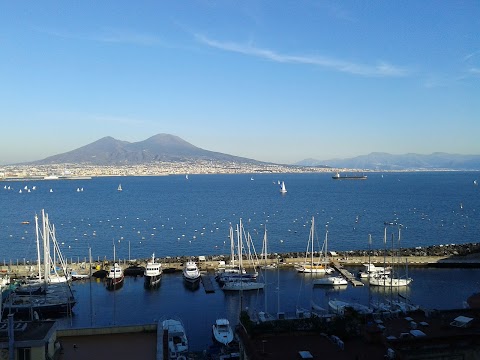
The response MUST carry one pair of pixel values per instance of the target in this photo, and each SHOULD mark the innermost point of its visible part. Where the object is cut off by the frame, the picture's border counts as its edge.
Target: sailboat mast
(265, 253)
(369, 267)
(326, 242)
(239, 246)
(312, 237)
(38, 249)
(384, 252)
(46, 244)
(232, 247)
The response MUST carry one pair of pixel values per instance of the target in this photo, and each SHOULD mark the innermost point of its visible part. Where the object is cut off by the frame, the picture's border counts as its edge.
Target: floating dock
(207, 283)
(347, 274)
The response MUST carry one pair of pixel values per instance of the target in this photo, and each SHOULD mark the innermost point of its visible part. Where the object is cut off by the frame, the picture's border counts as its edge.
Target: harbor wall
(107, 330)
(450, 256)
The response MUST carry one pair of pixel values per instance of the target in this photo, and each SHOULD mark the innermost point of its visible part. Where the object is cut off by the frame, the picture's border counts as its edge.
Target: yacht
(175, 339)
(191, 273)
(152, 274)
(115, 277)
(222, 331)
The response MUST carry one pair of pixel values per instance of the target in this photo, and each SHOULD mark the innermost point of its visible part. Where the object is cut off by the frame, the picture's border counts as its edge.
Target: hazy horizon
(276, 82)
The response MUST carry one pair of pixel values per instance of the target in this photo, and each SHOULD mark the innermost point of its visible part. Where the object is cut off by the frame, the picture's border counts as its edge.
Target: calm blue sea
(172, 216)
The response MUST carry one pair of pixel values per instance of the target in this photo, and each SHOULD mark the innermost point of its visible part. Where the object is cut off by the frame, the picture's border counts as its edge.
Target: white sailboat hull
(330, 281)
(389, 282)
(242, 285)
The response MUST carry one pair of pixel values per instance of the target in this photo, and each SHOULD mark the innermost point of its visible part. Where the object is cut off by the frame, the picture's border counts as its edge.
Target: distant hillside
(385, 161)
(161, 147)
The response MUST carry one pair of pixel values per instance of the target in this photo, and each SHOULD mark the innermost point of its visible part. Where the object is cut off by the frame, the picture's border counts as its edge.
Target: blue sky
(276, 81)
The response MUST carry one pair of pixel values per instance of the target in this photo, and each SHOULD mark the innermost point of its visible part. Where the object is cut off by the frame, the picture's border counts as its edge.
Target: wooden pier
(347, 274)
(207, 283)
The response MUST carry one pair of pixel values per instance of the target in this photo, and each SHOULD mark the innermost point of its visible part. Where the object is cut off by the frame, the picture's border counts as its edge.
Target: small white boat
(283, 189)
(191, 273)
(222, 331)
(119, 188)
(330, 281)
(175, 339)
(372, 271)
(77, 276)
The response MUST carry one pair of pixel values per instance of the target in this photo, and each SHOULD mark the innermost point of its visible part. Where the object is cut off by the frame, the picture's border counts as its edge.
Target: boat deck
(347, 274)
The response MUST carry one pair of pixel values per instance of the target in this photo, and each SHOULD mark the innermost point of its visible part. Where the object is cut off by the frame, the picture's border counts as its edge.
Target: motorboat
(222, 331)
(191, 273)
(370, 270)
(152, 274)
(330, 281)
(115, 277)
(175, 339)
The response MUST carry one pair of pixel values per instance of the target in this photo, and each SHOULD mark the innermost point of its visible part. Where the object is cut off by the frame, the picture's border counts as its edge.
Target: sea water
(173, 216)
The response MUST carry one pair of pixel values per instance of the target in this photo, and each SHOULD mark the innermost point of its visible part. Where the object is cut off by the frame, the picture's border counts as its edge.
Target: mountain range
(385, 161)
(171, 148)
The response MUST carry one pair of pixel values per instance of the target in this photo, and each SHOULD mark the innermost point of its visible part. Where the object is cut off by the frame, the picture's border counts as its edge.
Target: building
(32, 340)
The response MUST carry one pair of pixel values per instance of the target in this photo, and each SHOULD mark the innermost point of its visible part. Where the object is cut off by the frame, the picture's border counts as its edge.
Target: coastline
(24, 172)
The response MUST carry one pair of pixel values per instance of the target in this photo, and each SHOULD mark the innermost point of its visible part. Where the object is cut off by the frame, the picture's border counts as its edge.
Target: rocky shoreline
(452, 252)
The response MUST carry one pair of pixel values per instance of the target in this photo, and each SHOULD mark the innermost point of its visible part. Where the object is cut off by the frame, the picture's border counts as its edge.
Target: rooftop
(26, 330)
(432, 332)
(134, 345)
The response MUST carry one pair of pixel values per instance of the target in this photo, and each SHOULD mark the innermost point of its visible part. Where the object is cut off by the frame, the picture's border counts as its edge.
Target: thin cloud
(117, 36)
(474, 71)
(382, 69)
(126, 37)
(471, 55)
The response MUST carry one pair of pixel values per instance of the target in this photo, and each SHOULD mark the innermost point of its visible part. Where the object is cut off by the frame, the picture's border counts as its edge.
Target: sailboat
(283, 189)
(241, 282)
(44, 299)
(386, 280)
(119, 187)
(320, 266)
(266, 265)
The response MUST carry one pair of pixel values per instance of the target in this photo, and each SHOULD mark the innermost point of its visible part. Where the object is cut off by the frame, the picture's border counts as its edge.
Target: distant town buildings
(151, 169)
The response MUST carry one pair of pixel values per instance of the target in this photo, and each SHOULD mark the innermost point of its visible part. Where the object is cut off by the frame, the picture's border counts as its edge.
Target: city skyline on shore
(274, 82)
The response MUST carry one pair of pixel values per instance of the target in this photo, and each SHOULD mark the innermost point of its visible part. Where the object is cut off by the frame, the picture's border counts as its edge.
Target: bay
(173, 216)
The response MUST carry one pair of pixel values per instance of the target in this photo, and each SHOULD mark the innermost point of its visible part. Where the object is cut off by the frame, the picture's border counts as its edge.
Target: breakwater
(450, 255)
